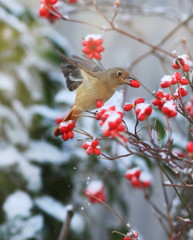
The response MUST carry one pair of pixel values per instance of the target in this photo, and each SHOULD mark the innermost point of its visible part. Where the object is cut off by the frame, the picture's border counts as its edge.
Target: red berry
(175, 65)
(133, 173)
(165, 110)
(112, 125)
(121, 128)
(168, 96)
(145, 184)
(172, 113)
(137, 173)
(189, 147)
(114, 133)
(127, 238)
(134, 83)
(118, 121)
(159, 94)
(148, 110)
(191, 113)
(173, 81)
(71, 125)
(141, 117)
(135, 182)
(165, 84)
(99, 104)
(186, 68)
(51, 1)
(128, 107)
(44, 12)
(65, 136)
(58, 120)
(156, 102)
(85, 145)
(177, 76)
(63, 129)
(89, 151)
(139, 100)
(112, 108)
(183, 92)
(96, 151)
(70, 134)
(184, 81)
(189, 107)
(72, 1)
(107, 133)
(94, 143)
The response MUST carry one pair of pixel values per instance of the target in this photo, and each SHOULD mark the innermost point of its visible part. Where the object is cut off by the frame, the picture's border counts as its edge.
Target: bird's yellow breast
(90, 91)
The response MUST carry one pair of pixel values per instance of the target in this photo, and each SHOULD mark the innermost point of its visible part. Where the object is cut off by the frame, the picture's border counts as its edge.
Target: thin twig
(66, 226)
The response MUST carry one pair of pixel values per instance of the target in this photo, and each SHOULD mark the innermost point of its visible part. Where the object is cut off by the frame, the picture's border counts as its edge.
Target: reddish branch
(182, 229)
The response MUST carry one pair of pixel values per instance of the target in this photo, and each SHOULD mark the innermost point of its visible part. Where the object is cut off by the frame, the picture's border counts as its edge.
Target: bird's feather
(88, 63)
(77, 69)
(73, 76)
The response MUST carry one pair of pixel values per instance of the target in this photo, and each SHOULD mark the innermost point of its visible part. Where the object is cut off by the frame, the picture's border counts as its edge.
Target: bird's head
(119, 76)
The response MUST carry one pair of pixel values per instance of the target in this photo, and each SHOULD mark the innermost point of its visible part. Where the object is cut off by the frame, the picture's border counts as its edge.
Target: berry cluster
(92, 147)
(47, 10)
(95, 192)
(169, 80)
(165, 103)
(111, 122)
(189, 107)
(137, 178)
(142, 110)
(183, 62)
(92, 46)
(65, 129)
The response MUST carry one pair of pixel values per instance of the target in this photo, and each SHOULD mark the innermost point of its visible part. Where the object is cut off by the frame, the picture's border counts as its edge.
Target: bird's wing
(73, 76)
(77, 69)
(88, 63)
(73, 69)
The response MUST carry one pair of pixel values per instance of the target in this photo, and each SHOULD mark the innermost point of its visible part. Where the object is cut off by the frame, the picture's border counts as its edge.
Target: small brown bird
(92, 82)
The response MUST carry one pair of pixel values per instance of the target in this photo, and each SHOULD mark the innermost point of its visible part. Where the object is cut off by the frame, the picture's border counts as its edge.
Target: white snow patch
(23, 229)
(10, 19)
(7, 83)
(44, 111)
(13, 6)
(41, 151)
(9, 156)
(52, 207)
(77, 223)
(145, 177)
(18, 203)
(57, 210)
(32, 174)
(166, 78)
(94, 36)
(64, 96)
(132, 170)
(94, 187)
(170, 105)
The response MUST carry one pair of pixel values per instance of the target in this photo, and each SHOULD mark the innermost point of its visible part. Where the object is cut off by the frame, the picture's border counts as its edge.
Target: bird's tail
(72, 115)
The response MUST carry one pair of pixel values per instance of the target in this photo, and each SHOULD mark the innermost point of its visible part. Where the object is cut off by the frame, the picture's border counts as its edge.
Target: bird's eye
(119, 74)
